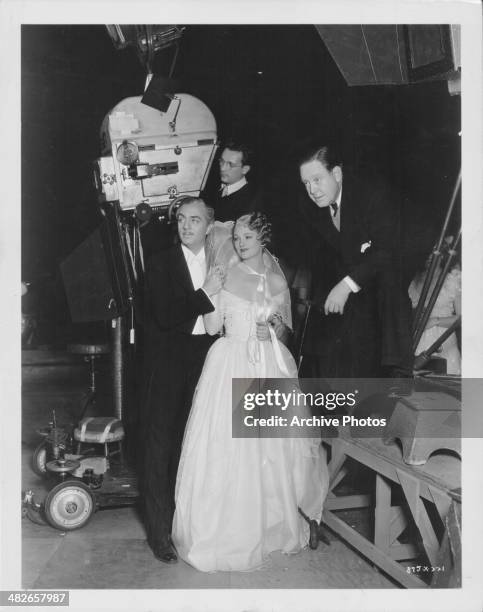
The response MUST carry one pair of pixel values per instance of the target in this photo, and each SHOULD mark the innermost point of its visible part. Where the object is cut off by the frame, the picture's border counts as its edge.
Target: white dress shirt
(228, 189)
(197, 269)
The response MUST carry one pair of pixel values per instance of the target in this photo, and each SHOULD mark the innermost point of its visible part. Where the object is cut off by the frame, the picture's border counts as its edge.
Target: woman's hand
(263, 333)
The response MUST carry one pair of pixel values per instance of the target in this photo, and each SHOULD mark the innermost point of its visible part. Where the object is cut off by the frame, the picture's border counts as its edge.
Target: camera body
(152, 157)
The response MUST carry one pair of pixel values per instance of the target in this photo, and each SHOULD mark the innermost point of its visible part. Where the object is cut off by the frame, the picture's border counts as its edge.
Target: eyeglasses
(231, 165)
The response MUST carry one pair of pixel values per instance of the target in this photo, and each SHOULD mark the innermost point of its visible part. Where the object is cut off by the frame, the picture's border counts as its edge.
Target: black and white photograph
(242, 334)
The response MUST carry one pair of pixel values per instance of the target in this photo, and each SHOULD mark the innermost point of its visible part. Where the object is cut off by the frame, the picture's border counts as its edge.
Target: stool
(91, 353)
(425, 422)
(100, 430)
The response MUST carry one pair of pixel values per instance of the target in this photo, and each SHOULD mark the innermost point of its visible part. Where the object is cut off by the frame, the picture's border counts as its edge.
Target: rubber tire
(69, 492)
(40, 459)
(34, 516)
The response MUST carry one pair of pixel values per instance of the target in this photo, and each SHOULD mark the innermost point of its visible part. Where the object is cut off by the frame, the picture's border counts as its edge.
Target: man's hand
(214, 281)
(337, 298)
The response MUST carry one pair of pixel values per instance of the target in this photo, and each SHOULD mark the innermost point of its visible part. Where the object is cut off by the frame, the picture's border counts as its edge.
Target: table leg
(411, 488)
(382, 513)
(337, 459)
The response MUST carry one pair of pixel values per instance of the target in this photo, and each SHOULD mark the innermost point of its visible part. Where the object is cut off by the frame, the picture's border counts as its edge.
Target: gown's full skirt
(237, 498)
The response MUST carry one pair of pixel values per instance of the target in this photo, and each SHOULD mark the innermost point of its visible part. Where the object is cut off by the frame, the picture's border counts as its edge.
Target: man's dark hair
(329, 157)
(210, 213)
(240, 147)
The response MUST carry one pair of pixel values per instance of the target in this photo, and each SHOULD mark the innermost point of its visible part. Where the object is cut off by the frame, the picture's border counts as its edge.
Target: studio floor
(111, 551)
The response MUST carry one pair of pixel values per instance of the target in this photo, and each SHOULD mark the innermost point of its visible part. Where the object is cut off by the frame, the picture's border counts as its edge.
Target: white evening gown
(443, 307)
(237, 498)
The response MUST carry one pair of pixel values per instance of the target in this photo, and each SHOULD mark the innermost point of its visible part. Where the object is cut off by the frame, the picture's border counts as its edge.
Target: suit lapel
(330, 232)
(320, 220)
(179, 268)
(349, 215)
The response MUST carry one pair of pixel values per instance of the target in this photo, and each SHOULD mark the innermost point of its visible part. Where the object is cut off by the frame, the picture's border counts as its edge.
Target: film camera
(152, 156)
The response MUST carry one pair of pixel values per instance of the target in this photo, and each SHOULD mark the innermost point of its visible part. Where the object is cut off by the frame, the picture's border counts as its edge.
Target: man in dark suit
(177, 295)
(362, 324)
(236, 196)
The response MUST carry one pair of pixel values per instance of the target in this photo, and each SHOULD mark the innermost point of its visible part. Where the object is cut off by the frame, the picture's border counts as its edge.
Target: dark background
(72, 76)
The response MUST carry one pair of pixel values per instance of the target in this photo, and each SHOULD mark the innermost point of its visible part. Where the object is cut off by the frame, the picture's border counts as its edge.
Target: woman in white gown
(237, 499)
(445, 311)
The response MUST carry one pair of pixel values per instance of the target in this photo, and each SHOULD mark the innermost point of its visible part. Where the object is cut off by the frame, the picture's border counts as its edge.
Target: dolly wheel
(69, 505)
(314, 535)
(40, 458)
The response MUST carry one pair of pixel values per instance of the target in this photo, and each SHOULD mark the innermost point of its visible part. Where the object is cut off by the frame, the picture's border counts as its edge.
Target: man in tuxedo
(362, 322)
(177, 295)
(236, 196)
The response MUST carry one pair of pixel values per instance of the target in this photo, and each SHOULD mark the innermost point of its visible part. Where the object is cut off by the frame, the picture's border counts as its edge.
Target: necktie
(224, 191)
(335, 207)
(335, 216)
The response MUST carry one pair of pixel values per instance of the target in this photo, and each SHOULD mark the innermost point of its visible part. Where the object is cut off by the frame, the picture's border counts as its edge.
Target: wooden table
(438, 481)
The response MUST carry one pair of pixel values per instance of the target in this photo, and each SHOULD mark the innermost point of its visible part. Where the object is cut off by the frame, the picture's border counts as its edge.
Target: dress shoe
(166, 554)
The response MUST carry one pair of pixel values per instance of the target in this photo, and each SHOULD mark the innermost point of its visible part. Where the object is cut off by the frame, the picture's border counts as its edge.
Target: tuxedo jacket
(246, 200)
(172, 304)
(173, 362)
(366, 249)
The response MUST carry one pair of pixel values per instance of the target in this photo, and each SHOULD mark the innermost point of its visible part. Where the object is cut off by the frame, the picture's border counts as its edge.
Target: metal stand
(117, 367)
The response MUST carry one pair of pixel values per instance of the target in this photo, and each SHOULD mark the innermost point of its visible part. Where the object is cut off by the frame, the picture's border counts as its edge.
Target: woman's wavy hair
(258, 222)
